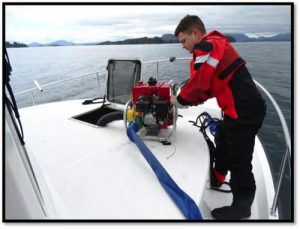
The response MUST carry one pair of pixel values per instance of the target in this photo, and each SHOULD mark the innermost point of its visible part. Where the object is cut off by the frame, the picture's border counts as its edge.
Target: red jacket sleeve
(207, 55)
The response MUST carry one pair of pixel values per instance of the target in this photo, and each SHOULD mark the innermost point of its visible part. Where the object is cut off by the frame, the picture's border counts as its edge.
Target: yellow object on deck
(131, 113)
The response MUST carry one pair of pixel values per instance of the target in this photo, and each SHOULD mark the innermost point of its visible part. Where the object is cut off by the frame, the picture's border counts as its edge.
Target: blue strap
(185, 203)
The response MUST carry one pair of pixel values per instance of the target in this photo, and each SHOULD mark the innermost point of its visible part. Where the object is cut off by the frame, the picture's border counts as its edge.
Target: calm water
(269, 64)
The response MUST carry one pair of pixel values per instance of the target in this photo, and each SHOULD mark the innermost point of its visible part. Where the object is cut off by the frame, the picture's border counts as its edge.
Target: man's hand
(175, 102)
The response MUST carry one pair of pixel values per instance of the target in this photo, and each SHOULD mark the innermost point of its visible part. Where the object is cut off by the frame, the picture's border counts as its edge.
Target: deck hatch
(122, 76)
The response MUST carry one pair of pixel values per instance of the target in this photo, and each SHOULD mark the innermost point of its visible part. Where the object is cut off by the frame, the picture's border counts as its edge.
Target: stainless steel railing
(287, 155)
(55, 83)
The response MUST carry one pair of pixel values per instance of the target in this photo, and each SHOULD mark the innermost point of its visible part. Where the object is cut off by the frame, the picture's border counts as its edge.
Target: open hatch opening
(122, 75)
(100, 116)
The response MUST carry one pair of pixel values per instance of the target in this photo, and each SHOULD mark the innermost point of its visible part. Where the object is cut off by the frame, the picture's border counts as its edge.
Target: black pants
(235, 138)
(234, 151)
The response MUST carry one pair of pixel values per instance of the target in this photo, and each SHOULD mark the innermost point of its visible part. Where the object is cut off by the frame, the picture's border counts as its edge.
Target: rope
(204, 121)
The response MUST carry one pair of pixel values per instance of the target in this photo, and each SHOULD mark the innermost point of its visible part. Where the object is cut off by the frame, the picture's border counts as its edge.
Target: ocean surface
(268, 62)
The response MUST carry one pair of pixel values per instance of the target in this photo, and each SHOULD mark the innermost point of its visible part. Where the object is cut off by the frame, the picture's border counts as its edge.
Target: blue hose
(185, 203)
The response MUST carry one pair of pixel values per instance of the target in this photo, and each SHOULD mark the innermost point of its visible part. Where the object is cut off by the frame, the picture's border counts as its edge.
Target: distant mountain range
(55, 43)
(142, 40)
(240, 37)
(170, 38)
(165, 38)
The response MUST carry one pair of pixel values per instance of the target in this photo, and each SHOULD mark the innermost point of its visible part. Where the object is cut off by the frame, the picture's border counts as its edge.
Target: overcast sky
(86, 23)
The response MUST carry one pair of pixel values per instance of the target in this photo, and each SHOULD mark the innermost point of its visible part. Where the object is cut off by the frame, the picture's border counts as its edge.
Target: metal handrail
(287, 154)
(171, 59)
(41, 87)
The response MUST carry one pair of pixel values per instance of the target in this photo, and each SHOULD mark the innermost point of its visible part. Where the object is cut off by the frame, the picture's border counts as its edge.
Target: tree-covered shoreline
(15, 44)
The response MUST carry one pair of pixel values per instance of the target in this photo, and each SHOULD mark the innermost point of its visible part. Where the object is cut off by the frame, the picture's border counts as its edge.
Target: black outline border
(291, 4)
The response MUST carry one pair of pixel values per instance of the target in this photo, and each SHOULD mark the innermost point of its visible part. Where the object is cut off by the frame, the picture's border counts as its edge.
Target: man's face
(188, 41)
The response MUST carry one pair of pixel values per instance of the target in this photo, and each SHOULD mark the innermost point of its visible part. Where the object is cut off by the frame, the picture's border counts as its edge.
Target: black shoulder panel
(204, 46)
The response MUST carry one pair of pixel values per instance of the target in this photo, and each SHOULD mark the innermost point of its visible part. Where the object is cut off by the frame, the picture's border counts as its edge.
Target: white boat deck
(98, 173)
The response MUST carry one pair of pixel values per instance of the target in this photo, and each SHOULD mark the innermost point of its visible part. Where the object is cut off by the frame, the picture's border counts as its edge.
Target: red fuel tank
(162, 90)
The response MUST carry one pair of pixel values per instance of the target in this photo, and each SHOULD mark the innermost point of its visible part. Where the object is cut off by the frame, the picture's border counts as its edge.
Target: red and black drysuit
(218, 71)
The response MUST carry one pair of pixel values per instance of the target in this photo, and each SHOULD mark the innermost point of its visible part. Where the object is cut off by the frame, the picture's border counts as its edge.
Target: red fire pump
(151, 108)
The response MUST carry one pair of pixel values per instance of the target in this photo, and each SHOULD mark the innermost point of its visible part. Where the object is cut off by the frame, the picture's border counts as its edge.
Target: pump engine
(150, 106)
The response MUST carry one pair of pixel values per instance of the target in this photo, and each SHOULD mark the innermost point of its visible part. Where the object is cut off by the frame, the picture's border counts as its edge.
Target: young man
(218, 71)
